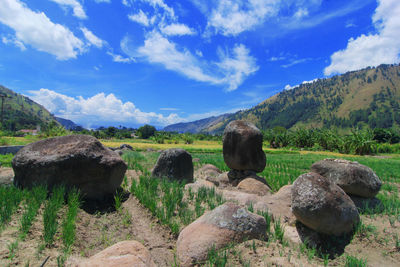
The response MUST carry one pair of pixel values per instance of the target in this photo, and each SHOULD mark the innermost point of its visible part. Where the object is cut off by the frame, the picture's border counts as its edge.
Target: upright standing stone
(242, 147)
(79, 161)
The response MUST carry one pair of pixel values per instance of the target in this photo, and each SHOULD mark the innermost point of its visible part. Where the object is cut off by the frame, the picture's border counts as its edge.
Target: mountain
(367, 97)
(68, 124)
(197, 126)
(20, 112)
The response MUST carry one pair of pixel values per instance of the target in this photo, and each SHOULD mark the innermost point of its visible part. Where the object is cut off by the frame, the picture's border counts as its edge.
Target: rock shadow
(105, 205)
(330, 245)
(367, 205)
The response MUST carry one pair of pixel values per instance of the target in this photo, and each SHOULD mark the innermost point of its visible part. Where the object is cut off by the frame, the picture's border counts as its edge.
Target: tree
(146, 131)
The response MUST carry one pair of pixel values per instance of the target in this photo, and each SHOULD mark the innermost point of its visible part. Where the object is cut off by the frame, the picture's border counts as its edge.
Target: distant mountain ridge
(196, 126)
(67, 124)
(367, 97)
(21, 112)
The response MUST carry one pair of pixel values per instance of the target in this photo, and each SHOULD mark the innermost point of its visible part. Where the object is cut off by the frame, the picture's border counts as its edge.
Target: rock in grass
(323, 206)
(242, 146)
(353, 177)
(79, 161)
(174, 163)
(122, 254)
(217, 228)
(253, 186)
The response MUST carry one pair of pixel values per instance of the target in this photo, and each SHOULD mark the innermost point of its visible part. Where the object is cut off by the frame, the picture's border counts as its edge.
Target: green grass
(51, 209)
(10, 197)
(355, 262)
(5, 160)
(68, 226)
(33, 200)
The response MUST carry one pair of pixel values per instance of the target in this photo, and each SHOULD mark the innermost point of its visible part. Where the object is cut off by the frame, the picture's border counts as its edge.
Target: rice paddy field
(37, 228)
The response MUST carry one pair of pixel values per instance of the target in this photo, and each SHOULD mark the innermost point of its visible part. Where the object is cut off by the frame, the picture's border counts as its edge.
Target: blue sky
(131, 62)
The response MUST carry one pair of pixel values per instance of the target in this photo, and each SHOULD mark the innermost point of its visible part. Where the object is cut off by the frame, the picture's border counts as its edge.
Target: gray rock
(79, 161)
(353, 177)
(242, 146)
(174, 163)
(323, 206)
(219, 227)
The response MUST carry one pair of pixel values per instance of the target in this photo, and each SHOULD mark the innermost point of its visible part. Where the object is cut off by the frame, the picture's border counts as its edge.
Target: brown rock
(353, 177)
(323, 206)
(253, 186)
(242, 146)
(79, 161)
(122, 254)
(219, 227)
(6, 176)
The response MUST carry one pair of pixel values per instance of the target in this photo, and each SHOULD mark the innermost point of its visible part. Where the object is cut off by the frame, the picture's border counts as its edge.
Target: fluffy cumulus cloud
(91, 38)
(98, 109)
(37, 30)
(372, 49)
(75, 5)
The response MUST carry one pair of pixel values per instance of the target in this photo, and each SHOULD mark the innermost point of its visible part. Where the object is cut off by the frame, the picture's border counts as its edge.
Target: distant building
(29, 131)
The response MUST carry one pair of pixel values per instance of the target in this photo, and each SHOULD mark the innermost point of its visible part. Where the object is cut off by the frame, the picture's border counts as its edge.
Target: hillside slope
(368, 97)
(196, 126)
(20, 112)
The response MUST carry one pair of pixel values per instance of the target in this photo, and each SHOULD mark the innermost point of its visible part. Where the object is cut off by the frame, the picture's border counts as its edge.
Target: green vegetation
(10, 197)
(51, 209)
(352, 261)
(365, 98)
(33, 200)
(68, 226)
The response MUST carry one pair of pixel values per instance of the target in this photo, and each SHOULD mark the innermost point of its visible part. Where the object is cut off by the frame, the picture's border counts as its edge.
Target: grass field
(31, 230)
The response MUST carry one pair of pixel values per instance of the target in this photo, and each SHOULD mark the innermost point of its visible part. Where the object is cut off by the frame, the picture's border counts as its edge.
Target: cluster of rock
(322, 201)
(122, 149)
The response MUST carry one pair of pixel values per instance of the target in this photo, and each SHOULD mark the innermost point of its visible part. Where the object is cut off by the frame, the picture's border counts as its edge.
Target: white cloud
(160, 4)
(14, 41)
(158, 49)
(120, 59)
(75, 5)
(177, 29)
(372, 49)
(93, 39)
(289, 87)
(231, 17)
(295, 62)
(169, 109)
(98, 109)
(237, 67)
(141, 18)
(36, 29)
(231, 70)
(102, 1)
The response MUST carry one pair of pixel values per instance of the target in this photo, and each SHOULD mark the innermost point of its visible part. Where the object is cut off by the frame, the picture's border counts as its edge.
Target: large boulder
(79, 161)
(217, 228)
(323, 206)
(122, 254)
(242, 146)
(353, 177)
(174, 163)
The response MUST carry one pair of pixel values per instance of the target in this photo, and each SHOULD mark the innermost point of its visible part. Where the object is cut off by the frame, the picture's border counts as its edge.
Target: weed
(10, 197)
(355, 262)
(12, 250)
(69, 228)
(268, 218)
(50, 214)
(215, 258)
(278, 231)
(362, 230)
(33, 200)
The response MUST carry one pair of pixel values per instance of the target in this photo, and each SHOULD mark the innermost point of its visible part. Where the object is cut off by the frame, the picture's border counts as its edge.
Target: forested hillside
(368, 97)
(20, 112)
